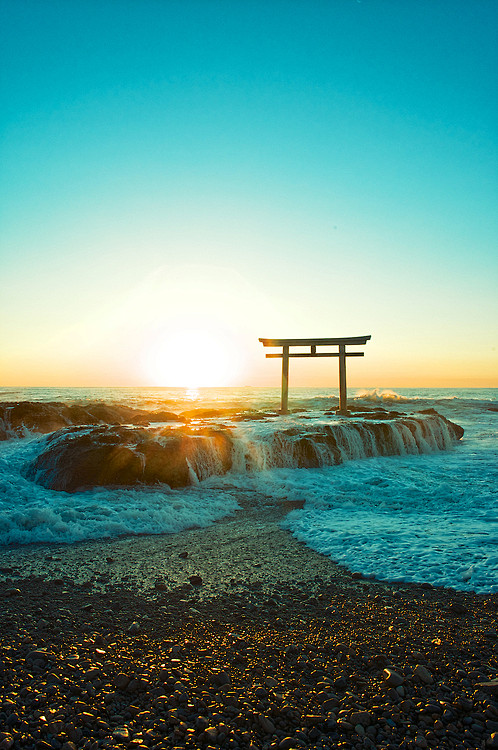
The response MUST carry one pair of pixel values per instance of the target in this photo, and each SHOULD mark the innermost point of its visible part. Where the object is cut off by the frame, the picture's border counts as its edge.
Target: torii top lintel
(316, 342)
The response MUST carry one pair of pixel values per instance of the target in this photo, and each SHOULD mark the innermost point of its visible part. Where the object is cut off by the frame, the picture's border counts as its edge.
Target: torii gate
(313, 343)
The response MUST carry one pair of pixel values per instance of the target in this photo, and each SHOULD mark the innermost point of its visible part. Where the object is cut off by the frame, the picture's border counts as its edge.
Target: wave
(382, 396)
(78, 458)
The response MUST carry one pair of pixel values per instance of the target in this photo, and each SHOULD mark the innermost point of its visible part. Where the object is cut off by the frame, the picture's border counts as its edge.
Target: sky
(178, 179)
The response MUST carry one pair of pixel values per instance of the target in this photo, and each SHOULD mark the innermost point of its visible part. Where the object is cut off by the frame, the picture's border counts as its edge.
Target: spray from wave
(381, 396)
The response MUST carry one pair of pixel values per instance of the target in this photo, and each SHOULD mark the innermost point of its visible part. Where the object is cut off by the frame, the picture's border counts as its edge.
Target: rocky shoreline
(236, 636)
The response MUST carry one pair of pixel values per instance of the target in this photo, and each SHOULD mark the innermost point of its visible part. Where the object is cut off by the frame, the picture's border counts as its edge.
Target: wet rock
(365, 718)
(121, 681)
(91, 674)
(73, 733)
(330, 704)
(210, 735)
(121, 734)
(379, 661)
(290, 743)
(311, 720)
(266, 724)
(490, 686)
(423, 674)
(13, 592)
(76, 458)
(392, 678)
(39, 655)
(221, 678)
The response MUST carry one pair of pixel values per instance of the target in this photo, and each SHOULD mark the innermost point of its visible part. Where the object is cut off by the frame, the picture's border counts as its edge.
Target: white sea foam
(30, 513)
(430, 518)
(380, 396)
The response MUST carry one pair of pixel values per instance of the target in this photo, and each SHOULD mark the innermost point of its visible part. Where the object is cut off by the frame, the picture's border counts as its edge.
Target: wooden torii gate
(313, 343)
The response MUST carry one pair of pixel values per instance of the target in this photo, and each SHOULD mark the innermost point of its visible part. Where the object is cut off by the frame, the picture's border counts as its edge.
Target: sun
(193, 356)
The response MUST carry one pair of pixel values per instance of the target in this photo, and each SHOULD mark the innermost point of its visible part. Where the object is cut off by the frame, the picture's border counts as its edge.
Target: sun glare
(191, 358)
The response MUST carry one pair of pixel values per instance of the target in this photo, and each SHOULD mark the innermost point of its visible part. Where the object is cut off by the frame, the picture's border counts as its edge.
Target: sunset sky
(178, 179)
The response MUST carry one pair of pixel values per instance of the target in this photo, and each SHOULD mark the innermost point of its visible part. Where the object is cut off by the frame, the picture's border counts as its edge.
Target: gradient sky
(180, 178)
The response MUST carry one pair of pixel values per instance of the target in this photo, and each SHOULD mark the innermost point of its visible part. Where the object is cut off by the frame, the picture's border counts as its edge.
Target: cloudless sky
(180, 178)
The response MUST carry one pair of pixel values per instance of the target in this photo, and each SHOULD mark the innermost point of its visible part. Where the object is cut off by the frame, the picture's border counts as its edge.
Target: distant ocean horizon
(423, 514)
(143, 394)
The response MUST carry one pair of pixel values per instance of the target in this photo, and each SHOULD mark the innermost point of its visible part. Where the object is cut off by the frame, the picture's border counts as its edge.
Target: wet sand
(247, 548)
(236, 636)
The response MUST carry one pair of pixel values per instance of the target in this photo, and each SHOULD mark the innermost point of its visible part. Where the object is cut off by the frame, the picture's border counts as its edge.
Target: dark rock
(489, 687)
(80, 457)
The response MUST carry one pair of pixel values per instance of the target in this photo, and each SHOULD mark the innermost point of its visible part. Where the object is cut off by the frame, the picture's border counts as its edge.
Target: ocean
(392, 492)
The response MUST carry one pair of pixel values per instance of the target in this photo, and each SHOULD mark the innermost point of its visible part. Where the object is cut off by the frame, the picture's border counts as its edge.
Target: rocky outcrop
(77, 458)
(17, 419)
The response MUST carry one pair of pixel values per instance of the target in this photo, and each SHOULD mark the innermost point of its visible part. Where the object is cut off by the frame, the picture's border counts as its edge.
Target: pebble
(266, 724)
(490, 687)
(362, 717)
(121, 681)
(423, 674)
(392, 678)
(121, 734)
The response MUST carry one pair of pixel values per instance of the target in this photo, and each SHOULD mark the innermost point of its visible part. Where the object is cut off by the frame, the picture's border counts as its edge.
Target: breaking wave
(381, 396)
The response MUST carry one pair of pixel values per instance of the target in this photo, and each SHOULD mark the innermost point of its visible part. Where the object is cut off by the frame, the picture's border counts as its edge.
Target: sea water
(426, 517)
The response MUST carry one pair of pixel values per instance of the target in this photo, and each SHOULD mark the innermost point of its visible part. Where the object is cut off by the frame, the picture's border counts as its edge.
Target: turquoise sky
(176, 173)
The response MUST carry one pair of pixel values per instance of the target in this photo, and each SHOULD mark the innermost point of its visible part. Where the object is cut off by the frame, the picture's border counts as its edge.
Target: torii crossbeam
(313, 343)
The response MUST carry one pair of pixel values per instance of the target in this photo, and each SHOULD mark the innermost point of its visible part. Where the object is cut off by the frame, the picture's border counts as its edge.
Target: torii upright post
(285, 380)
(343, 391)
(341, 343)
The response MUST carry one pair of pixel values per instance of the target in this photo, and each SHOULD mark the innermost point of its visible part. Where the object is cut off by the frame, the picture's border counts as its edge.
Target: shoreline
(246, 546)
(111, 644)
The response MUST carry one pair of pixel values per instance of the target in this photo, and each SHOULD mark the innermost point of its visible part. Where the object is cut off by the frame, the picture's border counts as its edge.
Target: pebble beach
(236, 636)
